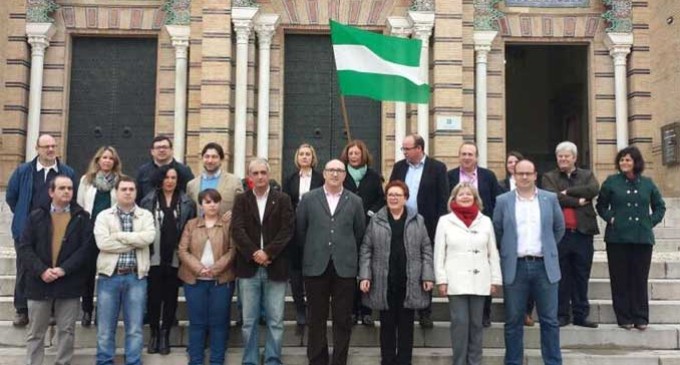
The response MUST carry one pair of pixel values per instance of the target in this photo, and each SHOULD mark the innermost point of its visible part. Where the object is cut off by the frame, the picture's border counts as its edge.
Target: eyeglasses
(395, 195)
(49, 147)
(405, 149)
(335, 171)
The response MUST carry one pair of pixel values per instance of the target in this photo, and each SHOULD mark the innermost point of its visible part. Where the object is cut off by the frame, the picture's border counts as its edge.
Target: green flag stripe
(382, 87)
(393, 49)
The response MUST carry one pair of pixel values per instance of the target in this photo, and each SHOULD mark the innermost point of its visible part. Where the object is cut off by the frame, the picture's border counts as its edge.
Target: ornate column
(619, 41)
(177, 24)
(242, 18)
(399, 27)
(265, 26)
(485, 31)
(421, 16)
(39, 31)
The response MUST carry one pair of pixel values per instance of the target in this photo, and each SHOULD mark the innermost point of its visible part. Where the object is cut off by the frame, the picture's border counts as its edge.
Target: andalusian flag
(377, 66)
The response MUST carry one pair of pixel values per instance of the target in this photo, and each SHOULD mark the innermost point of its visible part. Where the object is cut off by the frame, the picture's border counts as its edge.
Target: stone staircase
(607, 344)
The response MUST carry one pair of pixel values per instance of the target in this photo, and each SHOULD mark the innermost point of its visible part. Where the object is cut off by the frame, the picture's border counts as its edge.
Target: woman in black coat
(364, 181)
(304, 179)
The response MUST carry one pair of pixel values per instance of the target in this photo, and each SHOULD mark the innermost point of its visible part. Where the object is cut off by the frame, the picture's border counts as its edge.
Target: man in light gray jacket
(331, 224)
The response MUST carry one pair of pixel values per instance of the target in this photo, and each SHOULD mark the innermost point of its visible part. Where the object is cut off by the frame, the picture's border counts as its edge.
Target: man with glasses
(429, 191)
(330, 224)
(27, 190)
(528, 223)
(161, 154)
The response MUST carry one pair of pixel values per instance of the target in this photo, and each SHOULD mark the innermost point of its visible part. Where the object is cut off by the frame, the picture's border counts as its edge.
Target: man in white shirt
(262, 226)
(529, 223)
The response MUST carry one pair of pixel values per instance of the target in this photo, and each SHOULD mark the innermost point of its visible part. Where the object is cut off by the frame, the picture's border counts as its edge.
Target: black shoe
(355, 319)
(641, 327)
(263, 321)
(164, 341)
(367, 321)
(20, 319)
(239, 322)
(564, 322)
(300, 330)
(86, 321)
(627, 327)
(486, 322)
(586, 323)
(426, 322)
(152, 348)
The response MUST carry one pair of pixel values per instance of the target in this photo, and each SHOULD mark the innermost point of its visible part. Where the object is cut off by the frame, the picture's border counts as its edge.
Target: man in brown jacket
(262, 225)
(575, 189)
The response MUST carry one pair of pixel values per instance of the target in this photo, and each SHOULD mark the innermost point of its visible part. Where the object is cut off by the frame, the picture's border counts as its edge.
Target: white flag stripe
(350, 57)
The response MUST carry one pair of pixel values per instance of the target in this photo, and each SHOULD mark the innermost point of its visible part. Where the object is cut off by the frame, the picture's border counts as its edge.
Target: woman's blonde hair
(315, 160)
(472, 188)
(93, 168)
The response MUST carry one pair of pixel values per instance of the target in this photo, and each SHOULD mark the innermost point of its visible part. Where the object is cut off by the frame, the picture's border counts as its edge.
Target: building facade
(257, 77)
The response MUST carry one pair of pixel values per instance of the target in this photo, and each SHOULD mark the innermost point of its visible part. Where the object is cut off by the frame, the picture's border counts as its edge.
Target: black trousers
(297, 289)
(163, 291)
(358, 308)
(576, 259)
(87, 301)
(20, 301)
(340, 292)
(628, 274)
(396, 333)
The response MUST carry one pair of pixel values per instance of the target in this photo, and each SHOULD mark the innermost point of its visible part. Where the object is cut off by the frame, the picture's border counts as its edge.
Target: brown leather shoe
(528, 320)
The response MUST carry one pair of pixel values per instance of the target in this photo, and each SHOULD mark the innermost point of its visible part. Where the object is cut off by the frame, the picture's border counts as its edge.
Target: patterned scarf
(104, 182)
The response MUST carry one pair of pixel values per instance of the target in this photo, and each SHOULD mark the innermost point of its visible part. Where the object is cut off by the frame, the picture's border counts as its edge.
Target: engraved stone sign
(670, 150)
(549, 3)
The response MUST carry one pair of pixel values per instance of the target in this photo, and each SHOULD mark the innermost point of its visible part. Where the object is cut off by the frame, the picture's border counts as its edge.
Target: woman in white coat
(467, 268)
(96, 193)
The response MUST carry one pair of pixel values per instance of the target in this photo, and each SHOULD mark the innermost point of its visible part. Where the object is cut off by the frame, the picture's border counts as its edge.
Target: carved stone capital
(422, 23)
(243, 20)
(39, 36)
(265, 27)
(619, 45)
(399, 26)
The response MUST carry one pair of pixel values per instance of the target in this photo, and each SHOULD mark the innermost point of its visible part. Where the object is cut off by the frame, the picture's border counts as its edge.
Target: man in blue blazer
(487, 185)
(529, 223)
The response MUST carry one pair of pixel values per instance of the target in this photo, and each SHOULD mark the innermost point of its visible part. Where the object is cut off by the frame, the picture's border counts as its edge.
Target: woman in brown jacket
(207, 270)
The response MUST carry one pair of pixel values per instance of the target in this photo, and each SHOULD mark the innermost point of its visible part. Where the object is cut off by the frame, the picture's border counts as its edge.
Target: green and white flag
(377, 66)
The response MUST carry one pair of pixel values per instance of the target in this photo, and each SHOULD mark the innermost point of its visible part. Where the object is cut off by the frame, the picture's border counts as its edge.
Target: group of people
(345, 243)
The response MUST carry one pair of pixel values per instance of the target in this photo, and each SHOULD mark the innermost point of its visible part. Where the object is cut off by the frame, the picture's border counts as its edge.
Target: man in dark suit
(330, 224)
(487, 185)
(528, 223)
(429, 191)
(262, 226)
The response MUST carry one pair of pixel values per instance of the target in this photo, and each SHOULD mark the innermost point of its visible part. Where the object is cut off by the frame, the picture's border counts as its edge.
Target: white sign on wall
(449, 123)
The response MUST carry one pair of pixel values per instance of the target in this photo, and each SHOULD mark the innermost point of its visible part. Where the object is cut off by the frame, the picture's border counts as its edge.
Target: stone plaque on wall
(549, 3)
(670, 149)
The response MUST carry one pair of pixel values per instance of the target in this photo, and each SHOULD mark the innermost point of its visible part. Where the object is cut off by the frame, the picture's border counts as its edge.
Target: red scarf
(466, 214)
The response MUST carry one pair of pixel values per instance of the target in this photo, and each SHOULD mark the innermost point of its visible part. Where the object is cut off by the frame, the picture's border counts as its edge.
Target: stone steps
(364, 356)
(656, 337)
(661, 311)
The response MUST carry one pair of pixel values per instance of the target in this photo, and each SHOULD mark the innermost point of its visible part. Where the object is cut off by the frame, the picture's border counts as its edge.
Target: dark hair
(418, 141)
(53, 182)
(125, 178)
(211, 194)
(161, 139)
(516, 154)
(160, 174)
(398, 184)
(636, 155)
(213, 146)
(366, 158)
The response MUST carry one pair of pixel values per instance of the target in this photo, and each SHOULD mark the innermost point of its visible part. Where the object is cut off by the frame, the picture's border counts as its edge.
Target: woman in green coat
(625, 202)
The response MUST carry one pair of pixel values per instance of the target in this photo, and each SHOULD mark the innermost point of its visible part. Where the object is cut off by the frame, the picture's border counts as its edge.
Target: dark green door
(312, 111)
(112, 99)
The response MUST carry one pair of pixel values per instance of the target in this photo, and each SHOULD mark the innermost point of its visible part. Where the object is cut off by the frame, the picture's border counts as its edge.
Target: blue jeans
(113, 293)
(531, 278)
(208, 305)
(256, 291)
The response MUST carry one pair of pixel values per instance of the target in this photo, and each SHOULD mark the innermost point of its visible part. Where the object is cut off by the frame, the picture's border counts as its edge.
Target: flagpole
(345, 118)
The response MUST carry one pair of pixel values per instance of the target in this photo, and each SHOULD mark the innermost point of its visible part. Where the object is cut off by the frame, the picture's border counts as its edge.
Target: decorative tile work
(114, 18)
(40, 11)
(313, 11)
(376, 9)
(547, 26)
(354, 10)
(158, 19)
(619, 15)
(291, 10)
(91, 17)
(525, 26)
(591, 26)
(136, 18)
(569, 26)
(549, 3)
(69, 15)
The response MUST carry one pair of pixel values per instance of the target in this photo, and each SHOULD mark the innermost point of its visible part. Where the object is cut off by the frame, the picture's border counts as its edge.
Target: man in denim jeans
(262, 225)
(123, 234)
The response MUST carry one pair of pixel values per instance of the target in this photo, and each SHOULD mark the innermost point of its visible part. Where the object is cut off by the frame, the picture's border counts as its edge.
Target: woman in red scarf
(467, 269)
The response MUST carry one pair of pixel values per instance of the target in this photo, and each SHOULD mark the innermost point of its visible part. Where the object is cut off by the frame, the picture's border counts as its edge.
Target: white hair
(257, 161)
(567, 146)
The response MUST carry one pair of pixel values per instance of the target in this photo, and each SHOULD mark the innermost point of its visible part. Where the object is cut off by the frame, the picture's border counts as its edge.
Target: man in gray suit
(528, 222)
(331, 224)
